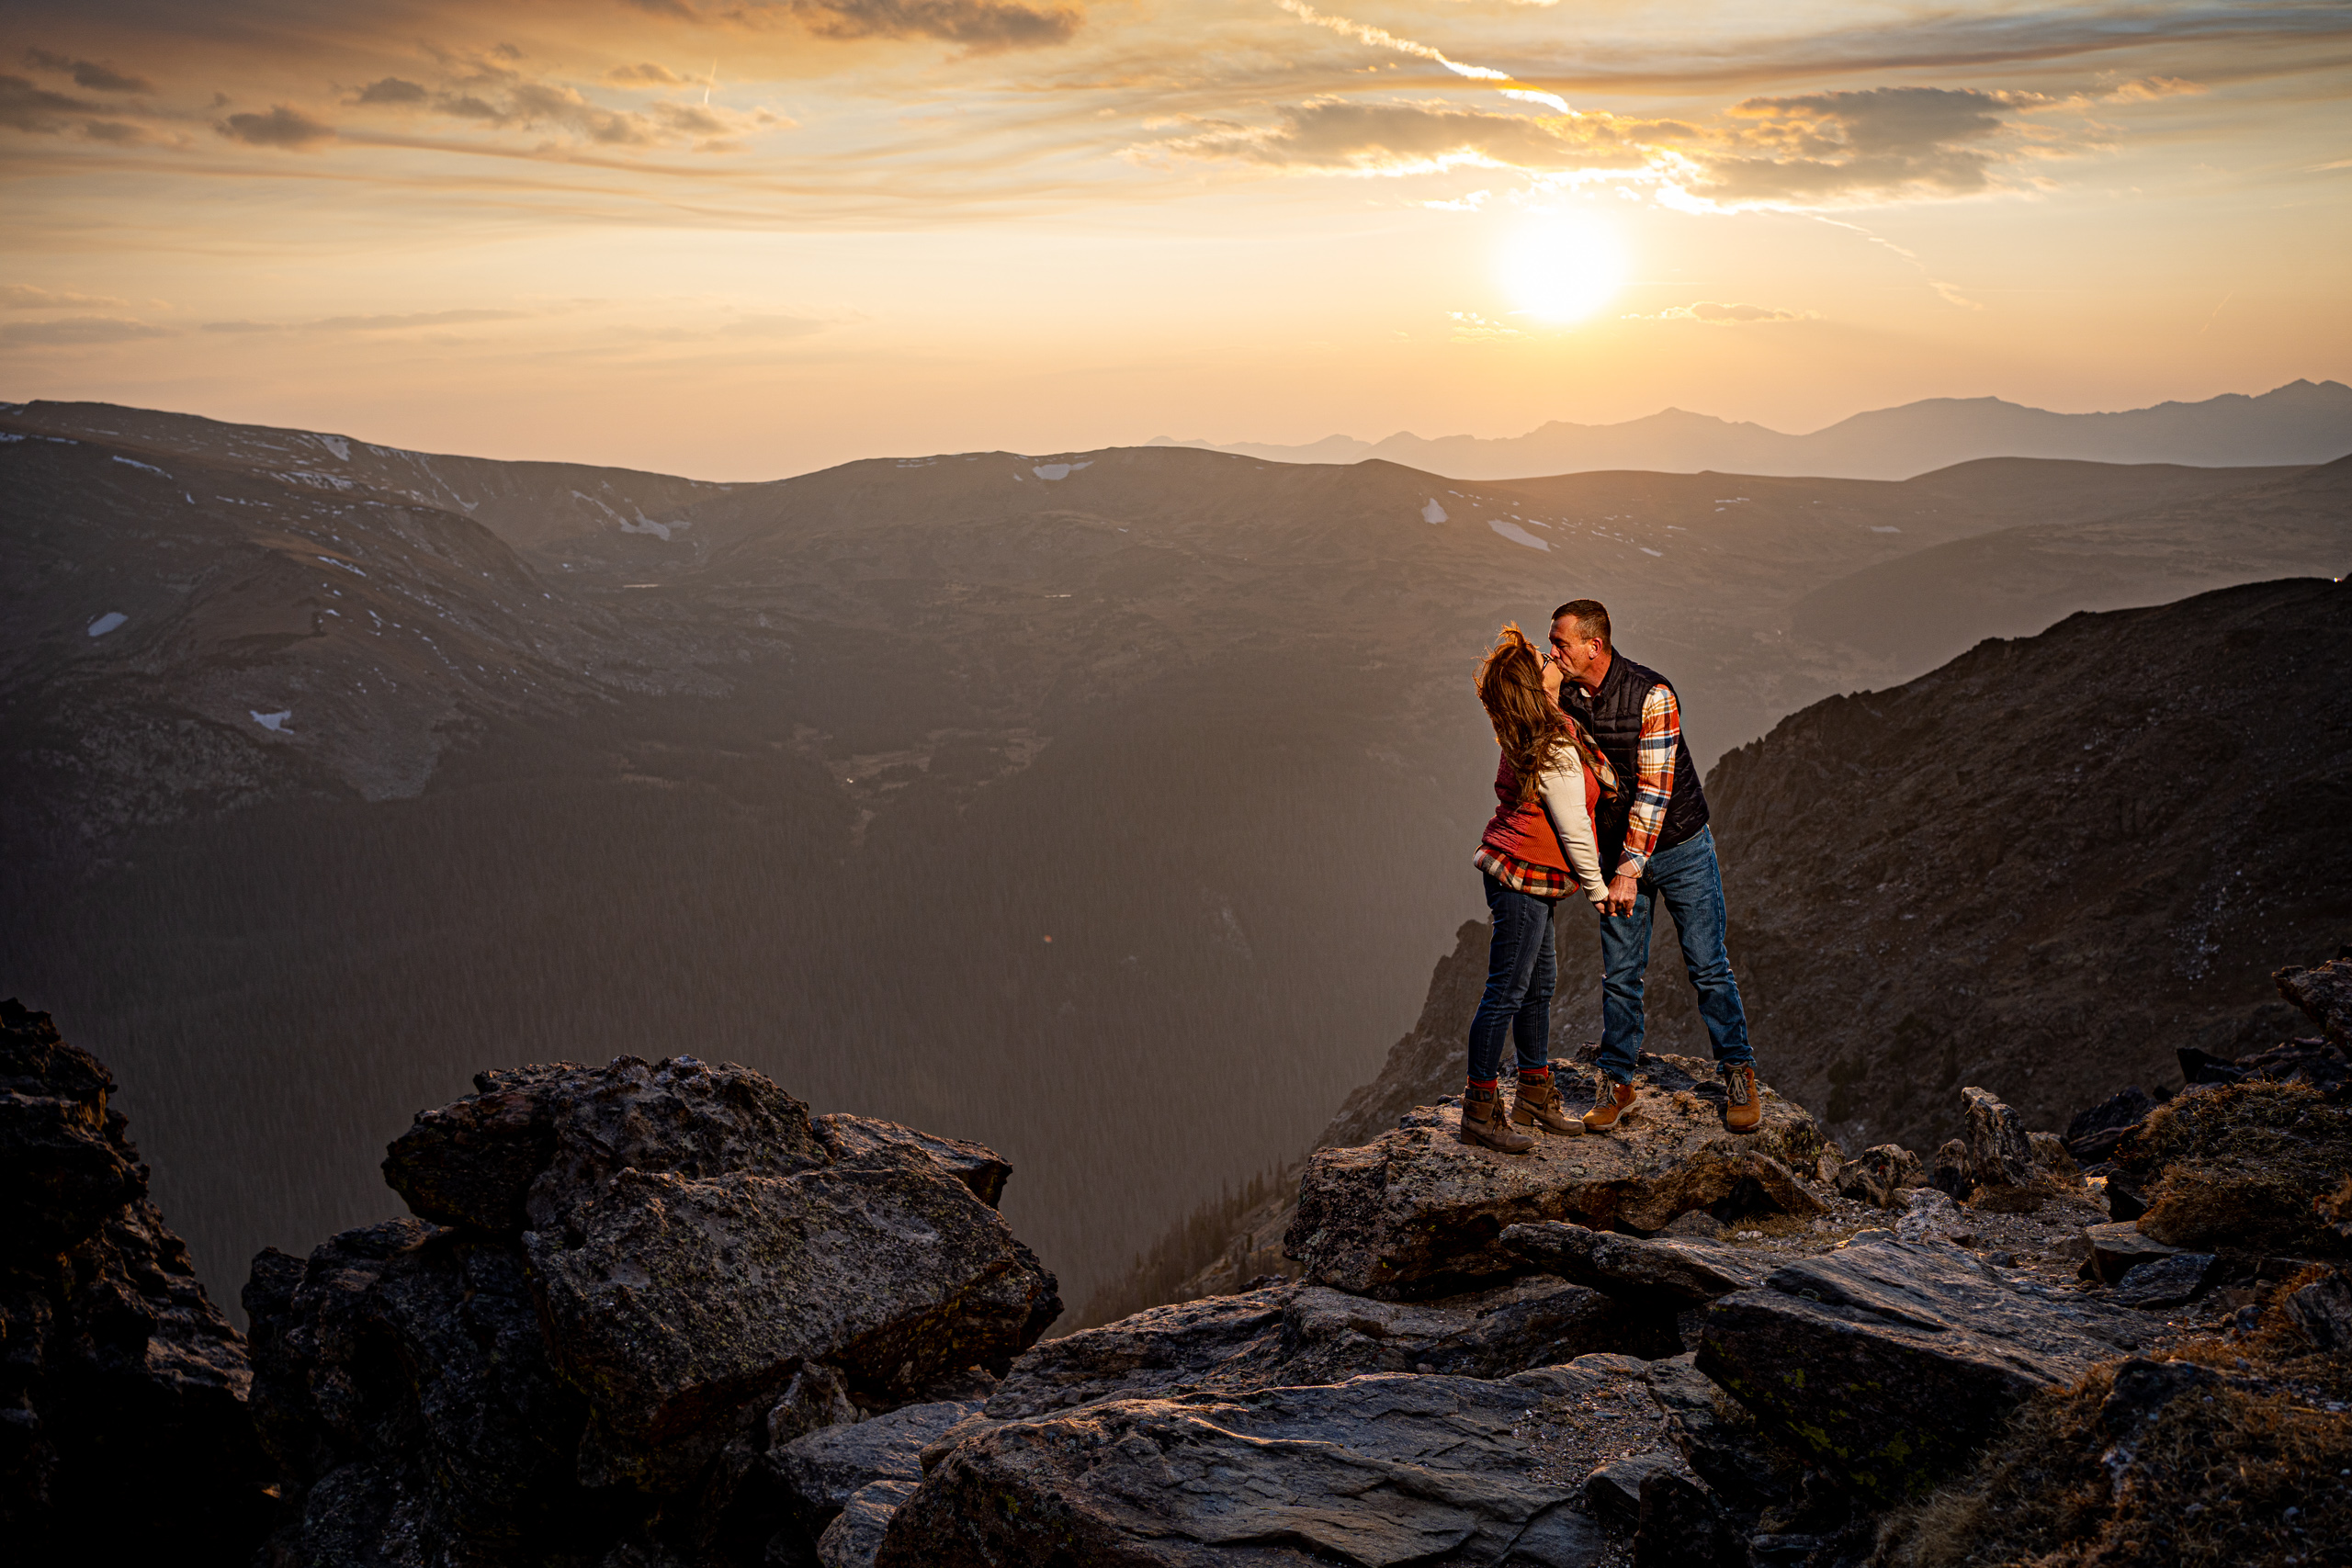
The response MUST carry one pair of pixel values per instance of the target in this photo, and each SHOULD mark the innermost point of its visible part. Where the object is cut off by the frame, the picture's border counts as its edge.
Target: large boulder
(1379, 1471)
(1418, 1212)
(124, 1427)
(845, 1480)
(1880, 1175)
(1293, 1334)
(1888, 1363)
(625, 1285)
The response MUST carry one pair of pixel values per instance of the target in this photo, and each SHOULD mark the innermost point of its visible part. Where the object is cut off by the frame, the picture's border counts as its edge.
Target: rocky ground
(658, 1315)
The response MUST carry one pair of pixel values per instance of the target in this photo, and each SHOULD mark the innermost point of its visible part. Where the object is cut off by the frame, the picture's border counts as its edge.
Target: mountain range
(2300, 423)
(1105, 807)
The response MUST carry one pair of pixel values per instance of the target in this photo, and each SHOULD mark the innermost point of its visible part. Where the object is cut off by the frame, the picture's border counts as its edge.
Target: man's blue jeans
(1521, 972)
(1692, 885)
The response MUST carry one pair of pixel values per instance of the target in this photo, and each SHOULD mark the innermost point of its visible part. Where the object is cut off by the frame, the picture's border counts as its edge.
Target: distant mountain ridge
(2300, 423)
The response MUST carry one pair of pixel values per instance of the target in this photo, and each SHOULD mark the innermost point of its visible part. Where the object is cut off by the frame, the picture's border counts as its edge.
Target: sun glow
(1561, 268)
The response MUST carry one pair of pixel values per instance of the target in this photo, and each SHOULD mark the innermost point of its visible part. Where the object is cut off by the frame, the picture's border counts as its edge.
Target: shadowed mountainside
(993, 793)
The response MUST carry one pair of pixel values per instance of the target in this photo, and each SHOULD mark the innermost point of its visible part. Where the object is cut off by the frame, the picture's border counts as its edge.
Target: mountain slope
(2301, 422)
(1930, 606)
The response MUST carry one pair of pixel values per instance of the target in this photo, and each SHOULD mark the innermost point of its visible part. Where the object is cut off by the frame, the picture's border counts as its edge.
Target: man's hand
(1621, 892)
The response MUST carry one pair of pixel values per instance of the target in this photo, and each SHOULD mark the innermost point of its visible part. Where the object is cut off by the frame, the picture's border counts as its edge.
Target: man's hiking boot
(1609, 1101)
(1743, 1112)
(1483, 1122)
(1536, 1103)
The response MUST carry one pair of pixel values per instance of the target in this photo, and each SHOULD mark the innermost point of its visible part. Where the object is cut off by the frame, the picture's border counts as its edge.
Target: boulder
(1379, 1471)
(1293, 1334)
(2164, 1281)
(1418, 1212)
(628, 1289)
(1887, 1364)
(1880, 1175)
(2322, 1311)
(1718, 1437)
(1663, 1272)
(1950, 1172)
(2325, 996)
(1614, 1491)
(124, 1422)
(2093, 1133)
(1928, 1214)
(863, 1469)
(1682, 1526)
(2118, 1246)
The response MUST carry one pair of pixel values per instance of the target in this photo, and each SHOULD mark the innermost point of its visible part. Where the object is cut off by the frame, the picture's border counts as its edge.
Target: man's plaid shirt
(1654, 780)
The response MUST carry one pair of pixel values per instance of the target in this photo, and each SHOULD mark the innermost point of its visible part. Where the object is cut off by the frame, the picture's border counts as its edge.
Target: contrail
(1381, 39)
(714, 81)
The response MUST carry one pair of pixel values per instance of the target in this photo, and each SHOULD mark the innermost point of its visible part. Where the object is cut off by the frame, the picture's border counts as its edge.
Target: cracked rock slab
(1380, 1470)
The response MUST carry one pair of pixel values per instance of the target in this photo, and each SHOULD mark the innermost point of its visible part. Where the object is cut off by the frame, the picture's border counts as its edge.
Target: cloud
(2149, 87)
(1721, 315)
(981, 26)
(371, 324)
(1814, 147)
(1471, 327)
(25, 106)
(1340, 135)
(26, 297)
(90, 74)
(79, 330)
(391, 90)
(644, 75)
(281, 127)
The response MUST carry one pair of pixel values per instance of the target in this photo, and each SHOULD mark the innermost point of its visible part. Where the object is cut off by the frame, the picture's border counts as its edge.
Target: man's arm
(1654, 786)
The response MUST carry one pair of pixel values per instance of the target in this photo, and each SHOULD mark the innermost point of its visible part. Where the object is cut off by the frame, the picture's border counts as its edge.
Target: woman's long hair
(1530, 727)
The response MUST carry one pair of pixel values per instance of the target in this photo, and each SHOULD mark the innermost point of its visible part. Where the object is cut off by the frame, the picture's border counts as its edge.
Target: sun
(1562, 268)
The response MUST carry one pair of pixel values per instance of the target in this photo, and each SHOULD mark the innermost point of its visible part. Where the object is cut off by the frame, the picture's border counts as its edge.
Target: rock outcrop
(1416, 1211)
(123, 1420)
(625, 1285)
(1379, 1471)
(1888, 1363)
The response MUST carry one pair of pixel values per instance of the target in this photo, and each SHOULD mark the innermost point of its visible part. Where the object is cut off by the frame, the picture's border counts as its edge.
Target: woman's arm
(1562, 791)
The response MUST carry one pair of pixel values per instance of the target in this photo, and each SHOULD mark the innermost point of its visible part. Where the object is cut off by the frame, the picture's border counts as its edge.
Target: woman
(1539, 845)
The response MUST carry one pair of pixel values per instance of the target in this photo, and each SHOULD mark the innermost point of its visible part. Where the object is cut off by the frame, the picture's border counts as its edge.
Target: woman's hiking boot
(1743, 1112)
(1483, 1122)
(1611, 1101)
(1536, 1103)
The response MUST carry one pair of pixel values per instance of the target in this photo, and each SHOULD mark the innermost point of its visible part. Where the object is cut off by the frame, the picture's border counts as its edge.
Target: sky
(742, 239)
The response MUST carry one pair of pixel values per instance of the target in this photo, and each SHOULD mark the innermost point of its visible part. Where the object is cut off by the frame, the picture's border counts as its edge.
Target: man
(1655, 835)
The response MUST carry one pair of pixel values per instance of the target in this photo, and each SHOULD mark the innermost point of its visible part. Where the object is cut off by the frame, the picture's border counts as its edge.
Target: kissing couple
(1594, 774)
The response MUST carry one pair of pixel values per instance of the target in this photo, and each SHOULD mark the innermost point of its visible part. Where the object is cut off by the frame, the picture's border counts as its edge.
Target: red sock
(1487, 1084)
(1535, 1075)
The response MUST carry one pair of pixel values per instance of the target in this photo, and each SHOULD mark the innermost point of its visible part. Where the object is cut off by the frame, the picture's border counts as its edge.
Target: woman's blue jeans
(1691, 885)
(1521, 972)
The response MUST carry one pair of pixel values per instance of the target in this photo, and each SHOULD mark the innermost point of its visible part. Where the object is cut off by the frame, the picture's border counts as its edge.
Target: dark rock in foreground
(1378, 1470)
(644, 1277)
(123, 1421)
(1417, 1211)
(1667, 1272)
(1888, 1364)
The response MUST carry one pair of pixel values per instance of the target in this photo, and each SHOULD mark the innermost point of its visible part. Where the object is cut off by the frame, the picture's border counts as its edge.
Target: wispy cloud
(385, 324)
(95, 75)
(78, 332)
(1715, 313)
(27, 297)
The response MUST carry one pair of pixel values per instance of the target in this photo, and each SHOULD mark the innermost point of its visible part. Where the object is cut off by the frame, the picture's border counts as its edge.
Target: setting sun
(1561, 268)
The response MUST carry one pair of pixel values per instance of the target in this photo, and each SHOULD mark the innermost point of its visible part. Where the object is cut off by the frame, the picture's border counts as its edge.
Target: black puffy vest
(1613, 714)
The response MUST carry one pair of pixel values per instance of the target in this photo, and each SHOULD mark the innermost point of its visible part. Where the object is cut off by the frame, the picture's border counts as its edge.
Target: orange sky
(741, 239)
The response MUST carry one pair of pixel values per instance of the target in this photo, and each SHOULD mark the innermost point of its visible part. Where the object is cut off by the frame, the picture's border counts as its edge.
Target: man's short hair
(1591, 617)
